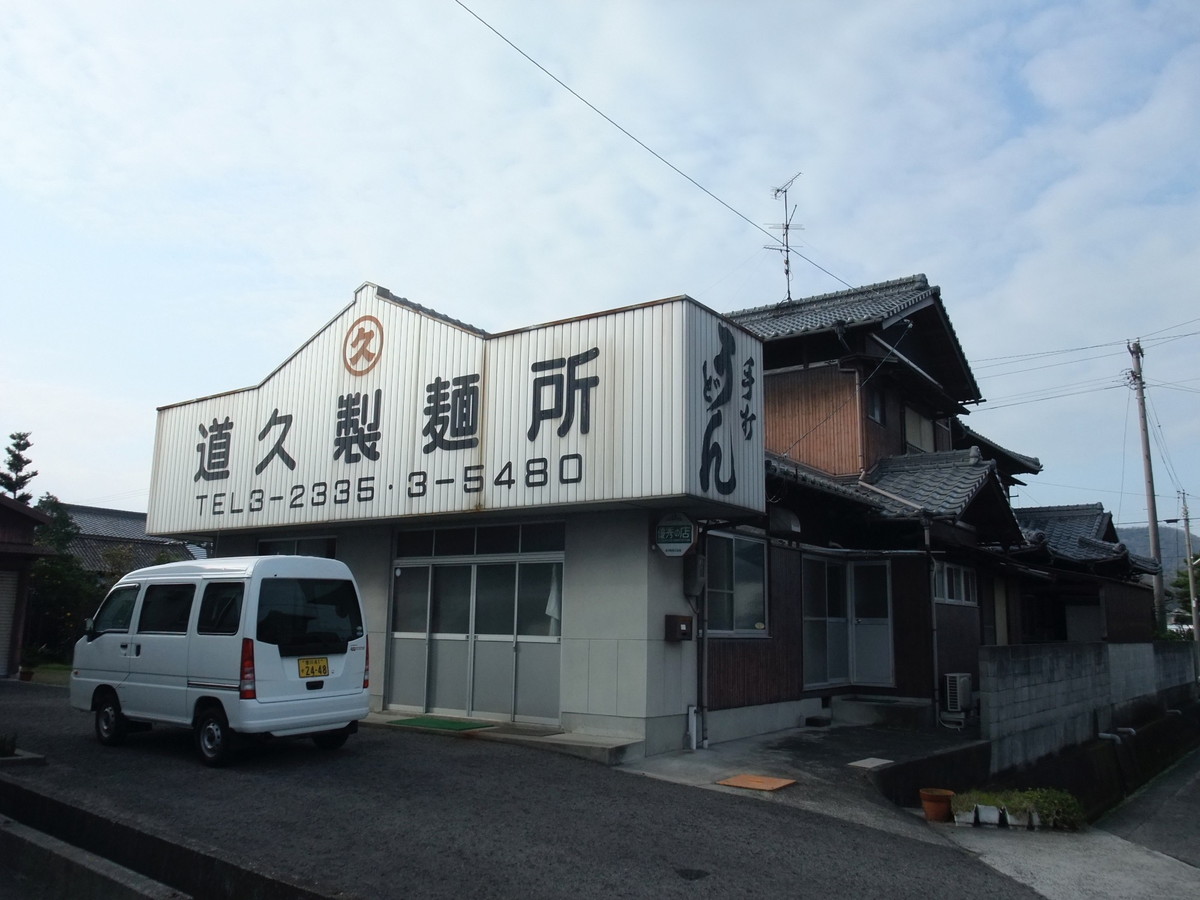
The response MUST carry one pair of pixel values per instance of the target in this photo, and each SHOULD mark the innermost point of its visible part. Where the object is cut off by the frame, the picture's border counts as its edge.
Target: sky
(188, 192)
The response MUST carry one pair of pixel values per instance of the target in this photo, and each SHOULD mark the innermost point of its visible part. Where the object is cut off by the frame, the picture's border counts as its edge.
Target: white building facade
(515, 507)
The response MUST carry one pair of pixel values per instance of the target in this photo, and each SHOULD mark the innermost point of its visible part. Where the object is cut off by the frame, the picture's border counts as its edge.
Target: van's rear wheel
(111, 724)
(214, 740)
(331, 740)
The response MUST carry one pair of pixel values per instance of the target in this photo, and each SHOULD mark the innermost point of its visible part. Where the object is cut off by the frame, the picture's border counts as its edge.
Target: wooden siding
(912, 641)
(813, 416)
(886, 438)
(751, 671)
(958, 640)
(1129, 610)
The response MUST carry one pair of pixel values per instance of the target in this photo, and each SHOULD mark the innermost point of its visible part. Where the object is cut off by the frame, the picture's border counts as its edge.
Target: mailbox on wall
(679, 628)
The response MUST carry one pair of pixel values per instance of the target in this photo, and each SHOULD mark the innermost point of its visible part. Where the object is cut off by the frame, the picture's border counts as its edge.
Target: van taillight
(367, 667)
(246, 687)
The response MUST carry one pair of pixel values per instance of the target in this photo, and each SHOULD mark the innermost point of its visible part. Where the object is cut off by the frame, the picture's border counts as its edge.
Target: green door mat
(442, 724)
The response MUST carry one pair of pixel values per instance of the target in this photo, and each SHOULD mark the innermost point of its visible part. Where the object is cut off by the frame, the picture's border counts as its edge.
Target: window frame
(735, 632)
(967, 580)
(170, 595)
(919, 427)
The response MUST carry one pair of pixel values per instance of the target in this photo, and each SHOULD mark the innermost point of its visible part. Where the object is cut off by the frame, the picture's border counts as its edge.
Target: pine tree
(14, 478)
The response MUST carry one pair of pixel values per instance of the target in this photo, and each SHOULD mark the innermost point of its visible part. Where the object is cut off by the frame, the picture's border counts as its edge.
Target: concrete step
(896, 712)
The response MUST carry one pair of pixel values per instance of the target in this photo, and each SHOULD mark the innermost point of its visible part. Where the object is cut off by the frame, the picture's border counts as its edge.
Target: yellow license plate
(314, 667)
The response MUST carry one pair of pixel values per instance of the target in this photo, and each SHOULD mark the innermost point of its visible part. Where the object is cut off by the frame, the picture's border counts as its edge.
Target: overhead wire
(995, 362)
(674, 168)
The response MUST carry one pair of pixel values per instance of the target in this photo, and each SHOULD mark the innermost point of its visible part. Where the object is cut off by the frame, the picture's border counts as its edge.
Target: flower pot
(988, 815)
(25, 674)
(1017, 820)
(936, 804)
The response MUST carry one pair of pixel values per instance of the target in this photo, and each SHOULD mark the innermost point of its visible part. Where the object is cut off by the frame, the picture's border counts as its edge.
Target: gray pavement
(400, 813)
(1148, 847)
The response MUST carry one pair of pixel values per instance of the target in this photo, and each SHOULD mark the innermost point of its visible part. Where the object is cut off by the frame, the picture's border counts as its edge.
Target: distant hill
(1170, 540)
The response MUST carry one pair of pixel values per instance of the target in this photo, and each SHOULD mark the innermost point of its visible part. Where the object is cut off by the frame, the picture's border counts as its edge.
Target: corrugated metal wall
(604, 408)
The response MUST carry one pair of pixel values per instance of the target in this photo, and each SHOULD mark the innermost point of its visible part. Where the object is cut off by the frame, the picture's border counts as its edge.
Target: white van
(263, 645)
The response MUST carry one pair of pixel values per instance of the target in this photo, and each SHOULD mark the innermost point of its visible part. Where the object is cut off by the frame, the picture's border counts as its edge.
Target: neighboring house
(899, 556)
(114, 541)
(1090, 592)
(17, 556)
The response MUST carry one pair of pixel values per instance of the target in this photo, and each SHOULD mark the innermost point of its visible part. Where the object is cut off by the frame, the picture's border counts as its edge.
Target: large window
(737, 576)
(491, 581)
(954, 584)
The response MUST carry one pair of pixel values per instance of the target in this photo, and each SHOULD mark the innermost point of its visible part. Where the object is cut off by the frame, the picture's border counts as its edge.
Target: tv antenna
(786, 249)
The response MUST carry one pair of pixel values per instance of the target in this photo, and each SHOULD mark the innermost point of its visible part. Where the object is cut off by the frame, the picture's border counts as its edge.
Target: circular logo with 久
(363, 345)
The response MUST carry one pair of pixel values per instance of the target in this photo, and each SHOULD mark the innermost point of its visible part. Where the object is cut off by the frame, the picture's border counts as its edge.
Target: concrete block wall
(1177, 663)
(1133, 671)
(1036, 699)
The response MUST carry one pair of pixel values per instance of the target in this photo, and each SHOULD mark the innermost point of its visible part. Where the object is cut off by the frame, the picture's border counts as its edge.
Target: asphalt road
(402, 814)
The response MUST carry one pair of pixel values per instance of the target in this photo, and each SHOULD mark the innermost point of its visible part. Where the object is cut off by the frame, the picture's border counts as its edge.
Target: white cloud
(197, 189)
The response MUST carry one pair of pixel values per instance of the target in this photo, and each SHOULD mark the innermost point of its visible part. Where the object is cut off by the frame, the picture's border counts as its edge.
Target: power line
(566, 87)
(991, 406)
(994, 362)
(648, 149)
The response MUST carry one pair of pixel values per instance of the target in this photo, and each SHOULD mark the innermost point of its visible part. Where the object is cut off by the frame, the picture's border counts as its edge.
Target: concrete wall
(619, 676)
(1036, 699)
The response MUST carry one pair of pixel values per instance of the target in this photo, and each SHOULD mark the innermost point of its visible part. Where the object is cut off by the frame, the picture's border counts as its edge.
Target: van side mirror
(89, 629)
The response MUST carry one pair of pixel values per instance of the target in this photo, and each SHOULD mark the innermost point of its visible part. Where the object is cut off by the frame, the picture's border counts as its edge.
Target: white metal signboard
(392, 410)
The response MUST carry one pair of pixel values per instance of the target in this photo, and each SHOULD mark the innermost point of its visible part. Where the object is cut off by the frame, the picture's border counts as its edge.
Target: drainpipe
(703, 647)
(695, 590)
(937, 687)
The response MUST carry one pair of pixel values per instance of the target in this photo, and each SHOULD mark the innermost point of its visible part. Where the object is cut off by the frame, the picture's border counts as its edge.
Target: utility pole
(1191, 569)
(1160, 599)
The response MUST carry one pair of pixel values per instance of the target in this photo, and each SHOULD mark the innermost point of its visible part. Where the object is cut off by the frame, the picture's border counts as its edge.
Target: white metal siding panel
(644, 392)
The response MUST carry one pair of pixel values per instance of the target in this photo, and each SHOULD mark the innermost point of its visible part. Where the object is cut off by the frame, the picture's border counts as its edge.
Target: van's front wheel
(111, 724)
(214, 741)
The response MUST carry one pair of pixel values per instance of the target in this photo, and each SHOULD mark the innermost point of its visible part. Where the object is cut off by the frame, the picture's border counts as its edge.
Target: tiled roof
(93, 521)
(100, 554)
(798, 473)
(1079, 534)
(102, 531)
(937, 484)
(857, 306)
(1029, 464)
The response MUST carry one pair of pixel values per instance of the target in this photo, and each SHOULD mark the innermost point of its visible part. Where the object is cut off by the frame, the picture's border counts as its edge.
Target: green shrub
(1055, 808)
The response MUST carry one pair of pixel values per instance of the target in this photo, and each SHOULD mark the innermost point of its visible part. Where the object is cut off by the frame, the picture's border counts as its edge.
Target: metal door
(871, 625)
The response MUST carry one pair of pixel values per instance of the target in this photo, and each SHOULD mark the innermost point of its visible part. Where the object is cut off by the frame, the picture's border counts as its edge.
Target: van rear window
(308, 615)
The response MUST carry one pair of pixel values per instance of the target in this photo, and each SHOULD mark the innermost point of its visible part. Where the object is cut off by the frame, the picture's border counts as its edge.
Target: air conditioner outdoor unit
(958, 692)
